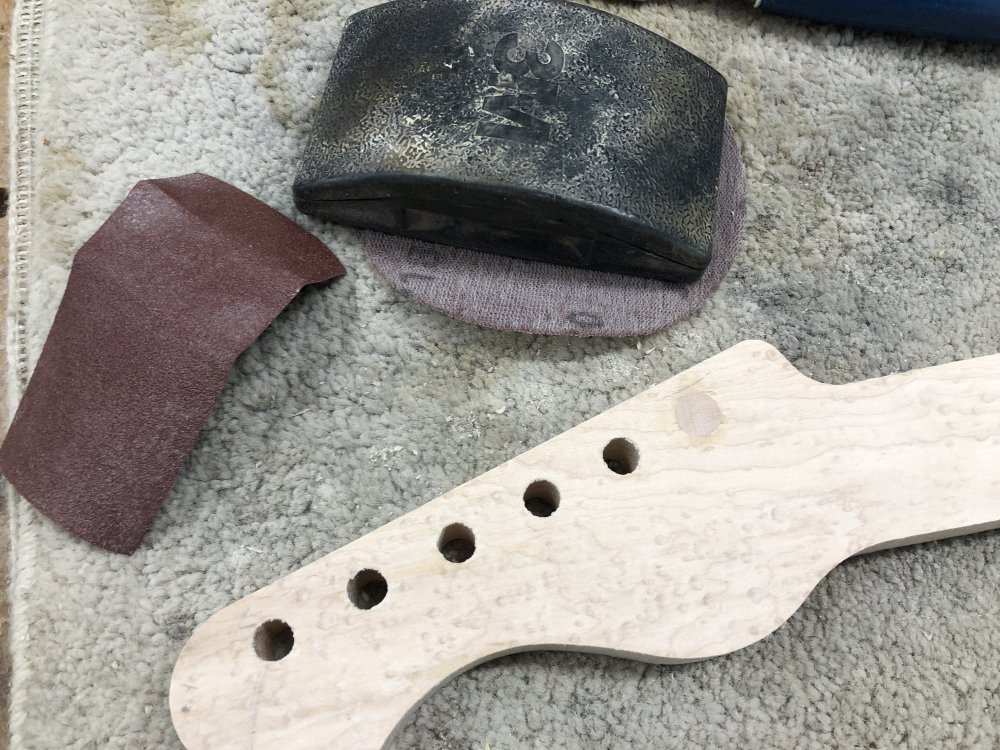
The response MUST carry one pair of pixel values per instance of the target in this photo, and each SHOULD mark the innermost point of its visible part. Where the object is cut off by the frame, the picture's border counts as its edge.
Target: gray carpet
(874, 207)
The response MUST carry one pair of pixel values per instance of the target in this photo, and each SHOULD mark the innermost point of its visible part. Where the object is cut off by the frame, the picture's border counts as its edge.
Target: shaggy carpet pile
(872, 247)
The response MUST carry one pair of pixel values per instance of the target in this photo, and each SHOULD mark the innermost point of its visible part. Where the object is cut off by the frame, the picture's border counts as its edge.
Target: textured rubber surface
(539, 129)
(182, 277)
(523, 295)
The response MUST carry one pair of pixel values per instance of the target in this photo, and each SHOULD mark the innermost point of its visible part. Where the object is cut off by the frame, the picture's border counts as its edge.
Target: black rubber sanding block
(540, 129)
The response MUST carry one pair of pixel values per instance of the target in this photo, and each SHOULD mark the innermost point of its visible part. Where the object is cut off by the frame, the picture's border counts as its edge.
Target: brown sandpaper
(182, 277)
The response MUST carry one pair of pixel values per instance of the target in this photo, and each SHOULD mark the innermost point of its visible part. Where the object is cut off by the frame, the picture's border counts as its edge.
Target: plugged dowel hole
(367, 589)
(457, 543)
(541, 498)
(273, 640)
(621, 456)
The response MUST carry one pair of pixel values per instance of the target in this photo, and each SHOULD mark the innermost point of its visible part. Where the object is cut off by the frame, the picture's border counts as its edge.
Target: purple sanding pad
(510, 294)
(182, 277)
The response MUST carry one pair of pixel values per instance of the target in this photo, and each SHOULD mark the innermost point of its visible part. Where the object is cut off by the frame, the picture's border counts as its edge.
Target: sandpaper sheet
(522, 295)
(182, 277)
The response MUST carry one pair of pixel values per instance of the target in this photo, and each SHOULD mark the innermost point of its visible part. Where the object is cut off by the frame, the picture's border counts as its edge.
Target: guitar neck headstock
(684, 523)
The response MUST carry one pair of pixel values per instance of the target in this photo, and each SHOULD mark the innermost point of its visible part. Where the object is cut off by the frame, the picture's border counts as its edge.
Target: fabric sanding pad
(511, 294)
(181, 278)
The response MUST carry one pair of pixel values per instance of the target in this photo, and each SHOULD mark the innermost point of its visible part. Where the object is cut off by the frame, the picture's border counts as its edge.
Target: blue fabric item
(971, 20)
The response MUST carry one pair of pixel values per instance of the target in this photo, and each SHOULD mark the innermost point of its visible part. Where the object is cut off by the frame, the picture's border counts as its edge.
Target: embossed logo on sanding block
(522, 77)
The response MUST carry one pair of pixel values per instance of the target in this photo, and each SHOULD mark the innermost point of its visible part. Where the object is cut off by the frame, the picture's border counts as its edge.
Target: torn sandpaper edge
(182, 277)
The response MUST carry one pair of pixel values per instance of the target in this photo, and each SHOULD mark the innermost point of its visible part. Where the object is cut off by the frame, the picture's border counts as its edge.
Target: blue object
(970, 20)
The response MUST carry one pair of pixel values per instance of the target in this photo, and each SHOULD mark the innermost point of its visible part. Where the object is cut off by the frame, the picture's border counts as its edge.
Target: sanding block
(538, 129)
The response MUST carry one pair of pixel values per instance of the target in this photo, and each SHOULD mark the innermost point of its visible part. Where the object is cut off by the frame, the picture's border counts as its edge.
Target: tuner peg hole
(457, 543)
(273, 640)
(541, 498)
(621, 456)
(367, 589)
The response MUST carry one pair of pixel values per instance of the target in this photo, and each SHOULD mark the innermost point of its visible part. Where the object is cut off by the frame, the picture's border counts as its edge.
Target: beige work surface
(872, 248)
(6, 12)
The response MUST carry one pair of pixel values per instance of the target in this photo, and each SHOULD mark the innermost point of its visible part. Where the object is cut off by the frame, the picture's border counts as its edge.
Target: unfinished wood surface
(687, 522)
